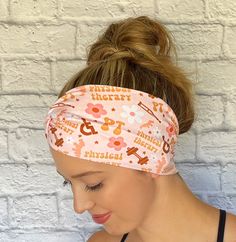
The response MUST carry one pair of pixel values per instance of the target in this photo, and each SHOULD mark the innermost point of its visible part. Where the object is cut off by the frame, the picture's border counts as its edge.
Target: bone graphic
(161, 163)
(147, 124)
(77, 147)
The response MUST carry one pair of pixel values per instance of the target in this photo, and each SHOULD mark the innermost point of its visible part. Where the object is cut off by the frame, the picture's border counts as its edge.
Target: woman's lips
(101, 219)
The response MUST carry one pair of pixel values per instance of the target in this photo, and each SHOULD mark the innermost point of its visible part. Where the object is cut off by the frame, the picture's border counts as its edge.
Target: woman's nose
(82, 203)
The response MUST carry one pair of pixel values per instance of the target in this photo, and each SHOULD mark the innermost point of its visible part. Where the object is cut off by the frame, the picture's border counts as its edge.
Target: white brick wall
(42, 44)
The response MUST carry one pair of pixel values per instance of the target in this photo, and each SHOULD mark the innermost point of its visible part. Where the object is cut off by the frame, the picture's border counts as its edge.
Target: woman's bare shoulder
(230, 228)
(103, 236)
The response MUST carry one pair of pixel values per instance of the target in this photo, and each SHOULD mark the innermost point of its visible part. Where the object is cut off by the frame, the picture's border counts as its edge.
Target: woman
(117, 122)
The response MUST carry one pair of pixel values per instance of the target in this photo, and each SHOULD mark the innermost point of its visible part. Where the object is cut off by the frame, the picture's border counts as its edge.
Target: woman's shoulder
(103, 236)
(230, 228)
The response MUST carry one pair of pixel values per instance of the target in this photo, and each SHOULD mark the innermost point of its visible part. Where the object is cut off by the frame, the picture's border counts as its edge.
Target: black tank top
(221, 228)
(124, 237)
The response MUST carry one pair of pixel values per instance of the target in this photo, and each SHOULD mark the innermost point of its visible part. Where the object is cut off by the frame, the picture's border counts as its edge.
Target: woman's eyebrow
(82, 174)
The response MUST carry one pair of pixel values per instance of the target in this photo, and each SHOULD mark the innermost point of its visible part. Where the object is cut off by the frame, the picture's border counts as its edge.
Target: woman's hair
(135, 53)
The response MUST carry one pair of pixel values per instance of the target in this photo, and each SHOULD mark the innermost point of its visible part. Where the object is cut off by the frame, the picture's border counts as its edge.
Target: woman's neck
(176, 214)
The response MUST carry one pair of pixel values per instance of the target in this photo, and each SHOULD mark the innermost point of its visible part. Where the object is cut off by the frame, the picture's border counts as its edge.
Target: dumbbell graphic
(59, 142)
(133, 151)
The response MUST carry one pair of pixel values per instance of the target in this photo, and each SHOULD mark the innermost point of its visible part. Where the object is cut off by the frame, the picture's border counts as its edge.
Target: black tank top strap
(221, 228)
(124, 237)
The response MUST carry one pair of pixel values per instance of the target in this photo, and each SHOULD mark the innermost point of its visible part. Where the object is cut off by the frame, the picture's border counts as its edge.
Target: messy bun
(136, 53)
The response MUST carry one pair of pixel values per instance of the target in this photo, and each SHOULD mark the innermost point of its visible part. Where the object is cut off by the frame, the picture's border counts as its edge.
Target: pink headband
(114, 125)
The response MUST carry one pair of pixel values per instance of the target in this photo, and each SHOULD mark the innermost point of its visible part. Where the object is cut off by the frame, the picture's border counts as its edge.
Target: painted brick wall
(42, 43)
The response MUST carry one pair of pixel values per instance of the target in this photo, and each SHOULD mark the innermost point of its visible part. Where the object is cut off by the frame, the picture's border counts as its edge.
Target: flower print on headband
(116, 126)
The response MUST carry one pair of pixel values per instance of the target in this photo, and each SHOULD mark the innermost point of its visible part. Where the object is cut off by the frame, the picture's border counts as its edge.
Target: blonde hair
(135, 53)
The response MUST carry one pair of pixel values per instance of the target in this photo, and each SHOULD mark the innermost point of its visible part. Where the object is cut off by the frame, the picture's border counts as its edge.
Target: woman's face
(125, 192)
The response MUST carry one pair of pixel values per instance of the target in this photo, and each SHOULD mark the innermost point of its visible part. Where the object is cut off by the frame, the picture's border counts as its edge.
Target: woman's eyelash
(65, 183)
(87, 188)
(94, 188)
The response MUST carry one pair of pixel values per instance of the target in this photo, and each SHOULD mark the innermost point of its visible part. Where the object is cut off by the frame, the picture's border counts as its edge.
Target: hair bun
(136, 53)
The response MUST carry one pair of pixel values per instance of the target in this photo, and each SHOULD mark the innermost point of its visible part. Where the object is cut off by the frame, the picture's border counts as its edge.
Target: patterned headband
(116, 126)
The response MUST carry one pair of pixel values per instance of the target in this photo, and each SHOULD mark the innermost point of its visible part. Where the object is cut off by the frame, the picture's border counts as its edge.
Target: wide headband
(116, 126)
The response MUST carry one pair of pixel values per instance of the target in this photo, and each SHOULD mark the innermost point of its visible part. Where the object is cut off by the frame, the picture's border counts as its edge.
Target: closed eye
(87, 188)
